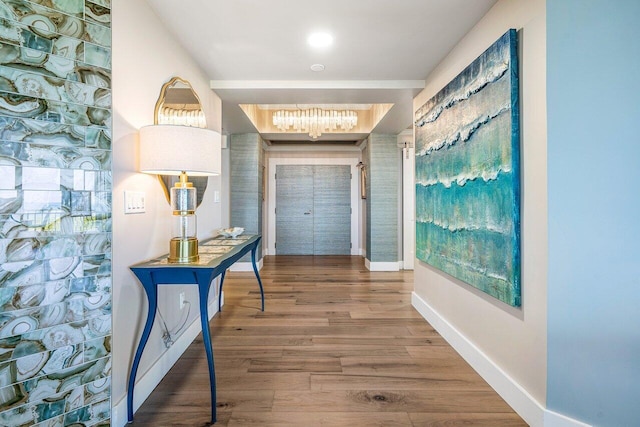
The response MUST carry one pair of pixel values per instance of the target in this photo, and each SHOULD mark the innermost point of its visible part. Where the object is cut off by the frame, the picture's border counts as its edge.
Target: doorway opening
(313, 210)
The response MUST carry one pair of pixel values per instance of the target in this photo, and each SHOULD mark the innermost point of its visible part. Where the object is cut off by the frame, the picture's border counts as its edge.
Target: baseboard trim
(381, 266)
(554, 419)
(245, 266)
(147, 382)
(515, 395)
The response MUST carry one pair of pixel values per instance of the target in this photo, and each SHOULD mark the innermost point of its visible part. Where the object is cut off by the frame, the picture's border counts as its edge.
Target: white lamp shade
(172, 149)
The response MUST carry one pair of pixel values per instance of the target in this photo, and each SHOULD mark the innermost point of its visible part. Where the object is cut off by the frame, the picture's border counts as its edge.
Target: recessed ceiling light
(320, 39)
(317, 67)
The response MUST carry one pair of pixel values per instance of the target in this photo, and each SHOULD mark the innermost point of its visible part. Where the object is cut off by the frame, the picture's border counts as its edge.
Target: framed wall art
(467, 173)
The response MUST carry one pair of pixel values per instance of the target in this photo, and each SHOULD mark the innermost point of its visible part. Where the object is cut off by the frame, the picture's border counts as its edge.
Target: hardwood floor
(337, 345)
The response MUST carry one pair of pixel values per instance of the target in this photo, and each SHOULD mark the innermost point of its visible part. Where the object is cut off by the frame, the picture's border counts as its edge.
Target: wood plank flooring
(337, 345)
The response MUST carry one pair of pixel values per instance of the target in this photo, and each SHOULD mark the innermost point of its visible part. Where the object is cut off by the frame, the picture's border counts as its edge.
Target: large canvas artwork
(468, 175)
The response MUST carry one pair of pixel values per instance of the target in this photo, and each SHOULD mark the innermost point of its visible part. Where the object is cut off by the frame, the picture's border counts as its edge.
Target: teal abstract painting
(468, 175)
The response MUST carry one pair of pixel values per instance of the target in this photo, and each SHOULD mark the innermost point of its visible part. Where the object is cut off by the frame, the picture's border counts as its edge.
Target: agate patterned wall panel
(468, 175)
(55, 212)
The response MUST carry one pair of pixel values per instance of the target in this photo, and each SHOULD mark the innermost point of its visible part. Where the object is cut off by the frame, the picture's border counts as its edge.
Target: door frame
(297, 161)
(406, 140)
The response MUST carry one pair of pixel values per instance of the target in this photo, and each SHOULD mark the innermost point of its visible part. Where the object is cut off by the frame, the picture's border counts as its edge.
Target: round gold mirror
(178, 104)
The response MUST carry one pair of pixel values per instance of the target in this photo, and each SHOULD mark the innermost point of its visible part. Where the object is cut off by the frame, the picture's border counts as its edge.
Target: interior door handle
(307, 213)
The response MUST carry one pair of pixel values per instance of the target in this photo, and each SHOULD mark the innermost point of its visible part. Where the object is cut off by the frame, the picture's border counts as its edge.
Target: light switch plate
(134, 202)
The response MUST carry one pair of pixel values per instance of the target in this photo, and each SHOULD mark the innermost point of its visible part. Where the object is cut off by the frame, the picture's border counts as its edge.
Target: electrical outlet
(182, 300)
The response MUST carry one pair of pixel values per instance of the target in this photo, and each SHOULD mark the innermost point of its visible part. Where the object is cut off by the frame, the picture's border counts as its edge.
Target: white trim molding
(246, 266)
(408, 198)
(534, 413)
(316, 84)
(382, 266)
(355, 195)
(554, 419)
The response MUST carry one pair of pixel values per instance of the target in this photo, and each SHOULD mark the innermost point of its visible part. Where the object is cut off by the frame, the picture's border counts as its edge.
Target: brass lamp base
(183, 251)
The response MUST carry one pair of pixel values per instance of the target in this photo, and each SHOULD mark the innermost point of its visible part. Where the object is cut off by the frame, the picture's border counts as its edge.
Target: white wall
(513, 339)
(145, 56)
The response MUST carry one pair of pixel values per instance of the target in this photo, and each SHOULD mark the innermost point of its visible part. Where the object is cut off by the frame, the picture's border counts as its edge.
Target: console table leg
(220, 290)
(204, 284)
(152, 298)
(255, 270)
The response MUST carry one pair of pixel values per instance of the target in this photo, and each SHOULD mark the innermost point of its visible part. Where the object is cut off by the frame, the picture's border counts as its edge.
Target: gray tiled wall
(55, 212)
(247, 159)
(383, 172)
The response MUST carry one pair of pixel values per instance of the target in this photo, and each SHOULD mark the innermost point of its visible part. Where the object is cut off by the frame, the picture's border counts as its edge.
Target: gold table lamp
(183, 151)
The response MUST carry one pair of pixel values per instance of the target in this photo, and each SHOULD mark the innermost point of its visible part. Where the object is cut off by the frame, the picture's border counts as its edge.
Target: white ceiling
(255, 51)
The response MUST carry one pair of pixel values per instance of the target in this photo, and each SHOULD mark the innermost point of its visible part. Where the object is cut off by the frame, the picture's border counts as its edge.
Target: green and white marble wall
(55, 213)
(383, 173)
(246, 182)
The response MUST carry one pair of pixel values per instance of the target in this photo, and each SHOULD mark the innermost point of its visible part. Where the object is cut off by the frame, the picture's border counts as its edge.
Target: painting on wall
(467, 173)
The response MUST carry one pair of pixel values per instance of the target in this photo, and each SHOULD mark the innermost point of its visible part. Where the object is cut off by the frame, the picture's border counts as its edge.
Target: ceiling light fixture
(320, 39)
(315, 121)
(317, 67)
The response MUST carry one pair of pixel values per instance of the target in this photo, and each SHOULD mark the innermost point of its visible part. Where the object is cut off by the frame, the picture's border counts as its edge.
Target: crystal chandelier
(315, 121)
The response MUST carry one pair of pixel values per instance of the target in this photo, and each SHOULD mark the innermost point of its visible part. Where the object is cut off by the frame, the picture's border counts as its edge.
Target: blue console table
(216, 256)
